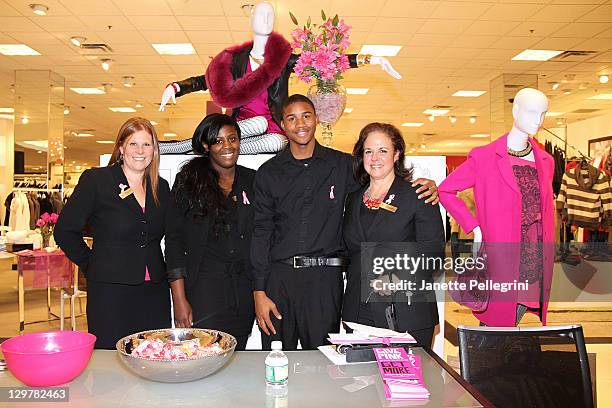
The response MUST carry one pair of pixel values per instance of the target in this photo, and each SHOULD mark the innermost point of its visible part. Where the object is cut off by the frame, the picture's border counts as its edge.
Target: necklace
(256, 59)
(520, 153)
(372, 203)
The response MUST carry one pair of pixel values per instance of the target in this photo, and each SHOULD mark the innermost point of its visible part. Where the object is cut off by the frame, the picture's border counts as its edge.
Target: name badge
(388, 207)
(126, 193)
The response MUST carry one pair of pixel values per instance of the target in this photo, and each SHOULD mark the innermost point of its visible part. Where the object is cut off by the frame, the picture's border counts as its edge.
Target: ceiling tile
(7, 9)
(181, 60)
(238, 23)
(165, 37)
(210, 36)
(459, 53)
(600, 14)
(513, 43)
(167, 23)
(146, 7)
(594, 44)
(60, 23)
(409, 8)
(397, 25)
(36, 38)
(491, 27)
(431, 40)
(473, 41)
(208, 23)
(18, 24)
(562, 13)
(460, 10)
(444, 26)
(554, 43)
(91, 8)
(584, 30)
(511, 12)
(186, 8)
(102, 22)
(538, 28)
(23, 8)
(345, 8)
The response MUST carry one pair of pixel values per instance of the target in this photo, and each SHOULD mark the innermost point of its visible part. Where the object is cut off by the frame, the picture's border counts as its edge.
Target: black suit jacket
(125, 239)
(187, 237)
(415, 224)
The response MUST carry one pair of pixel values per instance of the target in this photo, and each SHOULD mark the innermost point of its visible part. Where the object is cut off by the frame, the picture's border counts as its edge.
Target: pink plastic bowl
(48, 358)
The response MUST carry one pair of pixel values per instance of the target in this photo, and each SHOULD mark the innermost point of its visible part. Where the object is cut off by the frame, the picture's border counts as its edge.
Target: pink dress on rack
(531, 263)
(259, 107)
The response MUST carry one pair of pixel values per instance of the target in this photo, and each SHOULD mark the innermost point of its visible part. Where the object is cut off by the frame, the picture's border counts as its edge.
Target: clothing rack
(568, 145)
(37, 190)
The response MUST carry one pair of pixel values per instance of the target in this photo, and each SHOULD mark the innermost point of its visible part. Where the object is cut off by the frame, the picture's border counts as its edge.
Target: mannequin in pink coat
(512, 182)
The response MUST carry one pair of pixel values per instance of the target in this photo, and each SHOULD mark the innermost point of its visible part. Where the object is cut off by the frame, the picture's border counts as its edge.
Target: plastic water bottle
(277, 367)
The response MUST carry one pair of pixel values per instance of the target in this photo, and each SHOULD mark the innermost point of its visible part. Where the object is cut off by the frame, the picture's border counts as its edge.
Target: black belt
(308, 261)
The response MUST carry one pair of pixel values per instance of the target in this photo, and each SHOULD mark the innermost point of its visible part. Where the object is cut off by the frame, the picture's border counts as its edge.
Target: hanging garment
(585, 198)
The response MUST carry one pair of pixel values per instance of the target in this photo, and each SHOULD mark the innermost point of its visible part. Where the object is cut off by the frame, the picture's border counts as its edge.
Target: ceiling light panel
(88, 91)
(536, 55)
(436, 112)
(603, 96)
(174, 49)
(469, 94)
(17, 49)
(381, 50)
(123, 109)
(357, 91)
(412, 124)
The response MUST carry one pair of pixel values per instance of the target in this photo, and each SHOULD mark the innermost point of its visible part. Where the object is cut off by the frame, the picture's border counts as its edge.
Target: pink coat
(498, 202)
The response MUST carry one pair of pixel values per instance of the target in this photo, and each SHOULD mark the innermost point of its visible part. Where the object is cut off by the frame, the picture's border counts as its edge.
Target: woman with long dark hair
(386, 215)
(124, 205)
(209, 226)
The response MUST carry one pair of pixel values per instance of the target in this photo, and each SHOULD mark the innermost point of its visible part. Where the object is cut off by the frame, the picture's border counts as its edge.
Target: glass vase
(329, 99)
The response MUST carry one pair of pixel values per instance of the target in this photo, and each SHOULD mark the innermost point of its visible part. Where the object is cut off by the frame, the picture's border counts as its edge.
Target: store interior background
(446, 46)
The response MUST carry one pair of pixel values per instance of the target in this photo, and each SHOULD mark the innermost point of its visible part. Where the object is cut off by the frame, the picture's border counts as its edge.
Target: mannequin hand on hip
(168, 93)
(386, 66)
(477, 242)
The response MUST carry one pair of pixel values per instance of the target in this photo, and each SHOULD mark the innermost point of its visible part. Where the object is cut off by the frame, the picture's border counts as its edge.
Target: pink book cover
(401, 374)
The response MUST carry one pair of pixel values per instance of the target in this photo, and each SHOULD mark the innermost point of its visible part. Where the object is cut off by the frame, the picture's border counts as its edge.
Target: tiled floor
(596, 320)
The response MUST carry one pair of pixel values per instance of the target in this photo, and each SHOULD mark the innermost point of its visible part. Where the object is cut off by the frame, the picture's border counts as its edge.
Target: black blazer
(414, 221)
(186, 237)
(125, 239)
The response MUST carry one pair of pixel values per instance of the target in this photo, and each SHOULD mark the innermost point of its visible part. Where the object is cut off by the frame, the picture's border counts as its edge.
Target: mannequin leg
(267, 143)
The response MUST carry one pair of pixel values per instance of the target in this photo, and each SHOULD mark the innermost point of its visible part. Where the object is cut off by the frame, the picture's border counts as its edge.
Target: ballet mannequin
(512, 182)
(255, 97)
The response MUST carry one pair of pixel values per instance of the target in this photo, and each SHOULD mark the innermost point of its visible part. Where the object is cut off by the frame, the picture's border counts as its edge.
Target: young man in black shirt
(299, 202)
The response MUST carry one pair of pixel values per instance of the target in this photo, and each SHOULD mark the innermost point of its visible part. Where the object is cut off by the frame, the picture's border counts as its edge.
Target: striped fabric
(585, 197)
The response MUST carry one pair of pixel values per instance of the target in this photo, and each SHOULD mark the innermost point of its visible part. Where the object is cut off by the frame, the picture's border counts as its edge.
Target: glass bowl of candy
(176, 355)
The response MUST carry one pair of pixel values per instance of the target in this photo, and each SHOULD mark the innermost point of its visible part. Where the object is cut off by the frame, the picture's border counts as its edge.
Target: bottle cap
(277, 345)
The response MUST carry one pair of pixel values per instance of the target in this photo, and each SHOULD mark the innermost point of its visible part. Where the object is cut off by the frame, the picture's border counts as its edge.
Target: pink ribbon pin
(245, 199)
(331, 193)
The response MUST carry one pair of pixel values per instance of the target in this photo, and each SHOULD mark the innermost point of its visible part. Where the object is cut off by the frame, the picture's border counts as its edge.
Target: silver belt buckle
(295, 265)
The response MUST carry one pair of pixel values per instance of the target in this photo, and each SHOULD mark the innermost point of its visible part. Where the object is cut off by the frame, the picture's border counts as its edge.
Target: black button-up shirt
(298, 207)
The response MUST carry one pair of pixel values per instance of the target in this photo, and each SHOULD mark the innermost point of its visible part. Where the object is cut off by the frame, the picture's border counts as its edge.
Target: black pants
(309, 301)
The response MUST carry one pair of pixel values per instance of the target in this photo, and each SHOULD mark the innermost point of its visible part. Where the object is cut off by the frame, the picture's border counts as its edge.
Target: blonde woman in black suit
(124, 205)
(386, 210)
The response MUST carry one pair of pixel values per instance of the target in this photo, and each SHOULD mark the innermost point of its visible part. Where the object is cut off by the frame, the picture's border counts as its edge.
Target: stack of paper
(363, 334)
(401, 374)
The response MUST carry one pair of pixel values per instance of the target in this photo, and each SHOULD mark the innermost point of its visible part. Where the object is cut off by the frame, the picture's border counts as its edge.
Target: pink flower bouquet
(45, 224)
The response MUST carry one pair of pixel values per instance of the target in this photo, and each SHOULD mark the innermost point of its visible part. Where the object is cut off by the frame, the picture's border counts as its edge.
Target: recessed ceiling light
(154, 123)
(480, 135)
(554, 86)
(123, 109)
(170, 134)
(66, 110)
(381, 50)
(469, 94)
(39, 151)
(25, 120)
(17, 49)
(107, 86)
(583, 86)
(348, 110)
(602, 96)
(604, 79)
(128, 81)
(106, 63)
(84, 134)
(7, 110)
(88, 91)
(105, 141)
(560, 121)
(567, 91)
(357, 91)
(412, 124)
(39, 9)
(472, 119)
(77, 41)
(553, 114)
(452, 119)
(536, 55)
(174, 49)
(431, 118)
(139, 105)
(436, 112)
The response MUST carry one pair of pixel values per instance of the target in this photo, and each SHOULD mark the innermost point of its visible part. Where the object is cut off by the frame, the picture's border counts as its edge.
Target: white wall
(579, 133)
